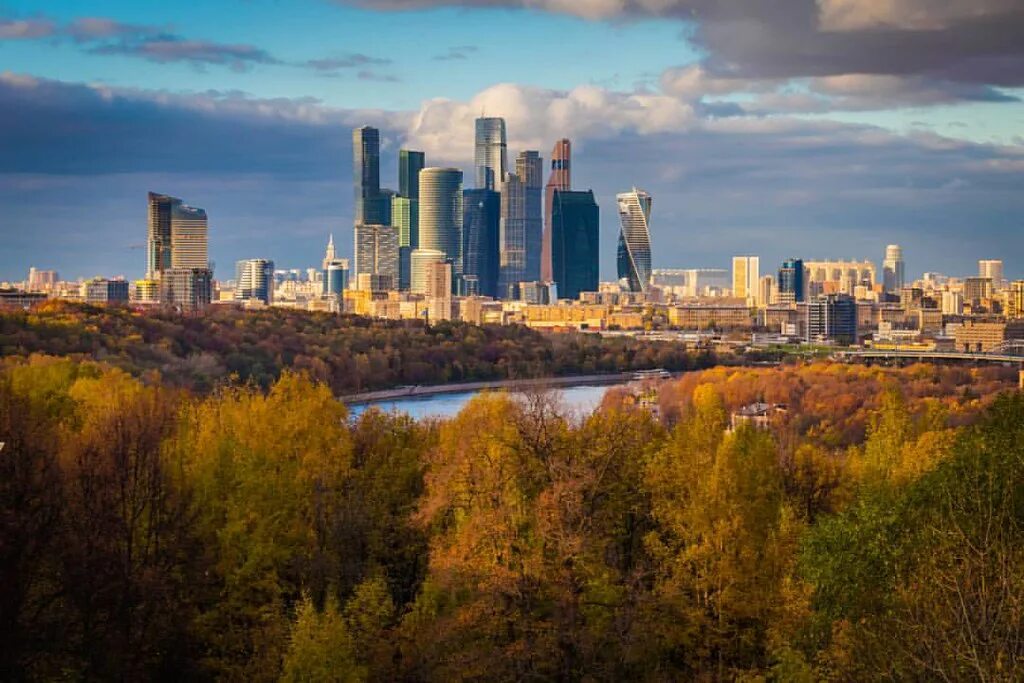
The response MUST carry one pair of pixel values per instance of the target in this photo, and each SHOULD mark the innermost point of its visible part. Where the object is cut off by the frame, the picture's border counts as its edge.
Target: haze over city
(824, 130)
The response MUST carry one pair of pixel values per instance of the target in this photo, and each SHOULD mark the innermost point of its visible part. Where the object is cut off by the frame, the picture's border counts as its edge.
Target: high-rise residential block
(575, 237)
(837, 276)
(977, 289)
(421, 261)
(376, 254)
(745, 276)
(441, 213)
(559, 178)
(992, 269)
(791, 285)
(893, 269)
(481, 226)
(103, 291)
(254, 280)
(634, 250)
(766, 291)
(188, 289)
(410, 163)
(490, 153)
(41, 280)
(1015, 300)
(832, 317)
(188, 237)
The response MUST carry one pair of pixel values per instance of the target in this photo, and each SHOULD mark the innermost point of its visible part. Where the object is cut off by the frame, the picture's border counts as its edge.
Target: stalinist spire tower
(329, 254)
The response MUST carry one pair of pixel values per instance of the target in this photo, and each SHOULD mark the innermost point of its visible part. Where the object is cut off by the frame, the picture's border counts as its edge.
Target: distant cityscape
(514, 249)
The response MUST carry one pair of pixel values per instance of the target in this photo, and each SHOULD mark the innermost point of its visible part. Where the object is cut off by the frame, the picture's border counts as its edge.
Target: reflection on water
(577, 400)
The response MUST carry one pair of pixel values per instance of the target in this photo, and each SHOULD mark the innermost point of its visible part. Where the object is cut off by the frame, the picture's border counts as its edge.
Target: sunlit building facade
(441, 214)
(634, 250)
(559, 179)
(491, 153)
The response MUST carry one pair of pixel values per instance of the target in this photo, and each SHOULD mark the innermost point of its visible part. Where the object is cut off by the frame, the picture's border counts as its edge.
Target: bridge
(1010, 351)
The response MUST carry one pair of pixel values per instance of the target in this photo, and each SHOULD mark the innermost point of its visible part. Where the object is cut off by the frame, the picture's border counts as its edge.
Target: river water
(580, 400)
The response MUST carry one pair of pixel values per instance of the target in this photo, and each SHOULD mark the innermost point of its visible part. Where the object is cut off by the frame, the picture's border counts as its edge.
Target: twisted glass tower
(490, 153)
(634, 254)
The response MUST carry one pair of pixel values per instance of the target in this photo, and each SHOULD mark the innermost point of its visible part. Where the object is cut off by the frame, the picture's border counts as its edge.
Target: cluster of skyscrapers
(178, 270)
(506, 235)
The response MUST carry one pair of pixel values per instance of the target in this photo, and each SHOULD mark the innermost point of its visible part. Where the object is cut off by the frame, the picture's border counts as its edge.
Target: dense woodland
(349, 354)
(875, 531)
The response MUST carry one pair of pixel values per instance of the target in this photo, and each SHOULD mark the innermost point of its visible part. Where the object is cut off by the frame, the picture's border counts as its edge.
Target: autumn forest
(249, 529)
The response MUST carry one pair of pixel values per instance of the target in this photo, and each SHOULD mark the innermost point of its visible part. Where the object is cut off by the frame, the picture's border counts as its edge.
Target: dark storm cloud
(949, 40)
(274, 175)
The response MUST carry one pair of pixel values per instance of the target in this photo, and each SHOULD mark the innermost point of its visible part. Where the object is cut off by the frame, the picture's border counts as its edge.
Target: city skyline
(773, 155)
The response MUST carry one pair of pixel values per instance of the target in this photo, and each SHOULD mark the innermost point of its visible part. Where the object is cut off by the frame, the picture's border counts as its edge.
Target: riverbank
(508, 384)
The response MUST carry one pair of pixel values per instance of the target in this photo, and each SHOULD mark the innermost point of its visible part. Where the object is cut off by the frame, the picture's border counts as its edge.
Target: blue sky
(828, 131)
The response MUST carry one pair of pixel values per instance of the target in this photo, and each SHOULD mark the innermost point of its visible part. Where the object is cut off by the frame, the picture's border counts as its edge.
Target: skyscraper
(745, 276)
(992, 268)
(791, 281)
(369, 205)
(441, 213)
(188, 237)
(634, 252)
(892, 269)
(254, 279)
(481, 226)
(405, 217)
(490, 154)
(530, 169)
(575, 234)
(376, 255)
(158, 238)
(559, 179)
(832, 317)
(410, 163)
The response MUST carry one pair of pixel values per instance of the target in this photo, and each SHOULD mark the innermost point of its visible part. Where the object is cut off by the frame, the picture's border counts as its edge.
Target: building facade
(481, 228)
(893, 275)
(441, 214)
(559, 178)
(634, 249)
(187, 289)
(254, 280)
(746, 272)
(188, 237)
(490, 153)
(832, 317)
(575, 236)
(376, 254)
(791, 285)
(369, 204)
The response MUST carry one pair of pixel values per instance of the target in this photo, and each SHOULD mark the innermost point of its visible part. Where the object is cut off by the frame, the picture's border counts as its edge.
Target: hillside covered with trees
(349, 354)
(875, 531)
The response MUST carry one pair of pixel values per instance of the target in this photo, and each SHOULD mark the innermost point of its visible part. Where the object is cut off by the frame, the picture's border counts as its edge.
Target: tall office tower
(1015, 300)
(832, 317)
(559, 179)
(188, 237)
(254, 279)
(490, 154)
(575, 235)
(512, 237)
(376, 255)
(481, 227)
(745, 274)
(992, 268)
(369, 204)
(893, 276)
(405, 218)
(792, 287)
(410, 163)
(335, 277)
(530, 169)
(634, 252)
(441, 214)
(158, 238)
(766, 291)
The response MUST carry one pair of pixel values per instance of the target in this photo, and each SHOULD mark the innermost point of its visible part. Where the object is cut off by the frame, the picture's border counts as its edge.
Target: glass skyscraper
(634, 239)
(634, 252)
(441, 213)
(530, 169)
(376, 254)
(369, 204)
(490, 154)
(791, 281)
(575, 234)
(410, 163)
(521, 224)
(560, 178)
(480, 233)
(158, 238)
(188, 237)
(893, 276)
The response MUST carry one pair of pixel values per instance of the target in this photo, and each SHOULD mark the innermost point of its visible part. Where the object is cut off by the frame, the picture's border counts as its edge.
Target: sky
(807, 128)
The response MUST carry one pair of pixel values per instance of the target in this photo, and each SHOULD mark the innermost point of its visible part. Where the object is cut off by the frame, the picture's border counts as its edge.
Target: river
(578, 400)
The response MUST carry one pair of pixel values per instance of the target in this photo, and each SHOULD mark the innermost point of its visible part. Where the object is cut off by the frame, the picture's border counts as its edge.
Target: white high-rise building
(490, 154)
(992, 268)
(254, 279)
(746, 274)
(893, 275)
(188, 237)
(634, 251)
